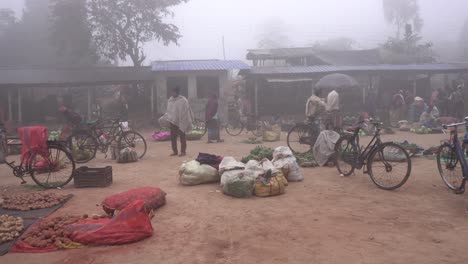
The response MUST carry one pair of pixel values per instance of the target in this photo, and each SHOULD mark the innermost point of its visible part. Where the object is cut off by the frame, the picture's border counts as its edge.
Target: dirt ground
(325, 219)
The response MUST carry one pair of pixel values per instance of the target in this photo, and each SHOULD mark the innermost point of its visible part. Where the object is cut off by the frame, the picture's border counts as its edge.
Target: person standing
(180, 116)
(315, 106)
(333, 109)
(211, 117)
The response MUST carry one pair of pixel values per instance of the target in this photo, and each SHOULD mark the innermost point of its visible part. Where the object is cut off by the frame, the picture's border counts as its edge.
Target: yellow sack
(274, 187)
(280, 176)
(272, 135)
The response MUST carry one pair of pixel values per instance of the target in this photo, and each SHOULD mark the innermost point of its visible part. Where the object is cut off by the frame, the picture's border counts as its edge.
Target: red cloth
(33, 139)
(131, 225)
(154, 197)
(211, 108)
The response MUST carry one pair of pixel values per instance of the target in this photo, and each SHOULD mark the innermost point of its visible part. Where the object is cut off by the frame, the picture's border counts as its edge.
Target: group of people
(405, 106)
(317, 108)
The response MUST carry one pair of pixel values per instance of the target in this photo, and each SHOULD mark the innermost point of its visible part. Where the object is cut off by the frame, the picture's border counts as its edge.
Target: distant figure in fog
(416, 109)
(457, 102)
(212, 120)
(397, 109)
(315, 106)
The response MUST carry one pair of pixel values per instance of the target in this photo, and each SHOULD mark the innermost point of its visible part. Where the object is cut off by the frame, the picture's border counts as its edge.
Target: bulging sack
(153, 197)
(194, 173)
(269, 186)
(127, 155)
(284, 160)
(238, 183)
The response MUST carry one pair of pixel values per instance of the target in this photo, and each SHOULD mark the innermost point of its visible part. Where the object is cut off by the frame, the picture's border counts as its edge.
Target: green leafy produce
(259, 153)
(252, 141)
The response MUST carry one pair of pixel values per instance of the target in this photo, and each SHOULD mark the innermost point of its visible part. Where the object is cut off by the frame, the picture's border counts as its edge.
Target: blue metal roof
(198, 65)
(419, 68)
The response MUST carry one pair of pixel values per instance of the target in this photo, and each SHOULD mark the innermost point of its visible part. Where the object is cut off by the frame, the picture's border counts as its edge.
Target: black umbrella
(337, 80)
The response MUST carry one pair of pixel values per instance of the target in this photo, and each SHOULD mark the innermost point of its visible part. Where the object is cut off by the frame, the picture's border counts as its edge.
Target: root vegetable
(31, 201)
(10, 228)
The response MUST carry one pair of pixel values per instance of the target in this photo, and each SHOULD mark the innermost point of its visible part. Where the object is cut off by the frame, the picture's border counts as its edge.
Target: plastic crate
(92, 177)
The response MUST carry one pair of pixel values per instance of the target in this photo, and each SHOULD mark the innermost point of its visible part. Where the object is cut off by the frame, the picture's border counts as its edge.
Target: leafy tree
(401, 13)
(70, 32)
(408, 49)
(120, 28)
(7, 19)
(341, 43)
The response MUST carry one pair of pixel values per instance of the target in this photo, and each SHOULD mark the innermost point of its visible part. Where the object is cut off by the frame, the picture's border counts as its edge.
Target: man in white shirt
(333, 109)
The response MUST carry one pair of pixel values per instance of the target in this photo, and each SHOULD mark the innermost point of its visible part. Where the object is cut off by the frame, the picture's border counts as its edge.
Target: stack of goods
(51, 233)
(10, 228)
(200, 171)
(133, 223)
(32, 201)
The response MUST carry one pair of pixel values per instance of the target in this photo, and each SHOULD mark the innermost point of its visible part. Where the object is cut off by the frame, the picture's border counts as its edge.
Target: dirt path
(325, 219)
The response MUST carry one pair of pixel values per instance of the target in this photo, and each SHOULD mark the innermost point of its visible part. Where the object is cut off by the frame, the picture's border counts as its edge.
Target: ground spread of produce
(31, 201)
(10, 228)
(324, 219)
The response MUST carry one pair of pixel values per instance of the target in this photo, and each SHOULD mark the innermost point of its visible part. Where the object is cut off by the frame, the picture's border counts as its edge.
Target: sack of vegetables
(154, 197)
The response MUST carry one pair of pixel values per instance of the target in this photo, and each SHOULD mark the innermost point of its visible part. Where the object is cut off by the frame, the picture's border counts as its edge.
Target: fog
(203, 23)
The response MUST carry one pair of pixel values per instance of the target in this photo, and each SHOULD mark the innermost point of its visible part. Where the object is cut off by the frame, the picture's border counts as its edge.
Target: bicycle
(51, 168)
(236, 125)
(451, 157)
(302, 136)
(379, 159)
(100, 135)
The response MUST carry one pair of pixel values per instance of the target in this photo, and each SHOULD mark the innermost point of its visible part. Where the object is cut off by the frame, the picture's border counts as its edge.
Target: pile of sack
(242, 180)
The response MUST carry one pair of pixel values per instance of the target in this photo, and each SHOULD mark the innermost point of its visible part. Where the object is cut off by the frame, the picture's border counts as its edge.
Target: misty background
(203, 23)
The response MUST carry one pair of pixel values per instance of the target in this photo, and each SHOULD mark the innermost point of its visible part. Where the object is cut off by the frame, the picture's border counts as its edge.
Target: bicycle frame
(373, 144)
(455, 143)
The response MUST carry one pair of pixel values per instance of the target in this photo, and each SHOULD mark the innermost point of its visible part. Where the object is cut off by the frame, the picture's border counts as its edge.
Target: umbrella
(337, 80)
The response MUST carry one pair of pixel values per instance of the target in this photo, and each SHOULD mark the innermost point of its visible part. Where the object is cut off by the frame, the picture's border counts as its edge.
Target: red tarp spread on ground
(131, 225)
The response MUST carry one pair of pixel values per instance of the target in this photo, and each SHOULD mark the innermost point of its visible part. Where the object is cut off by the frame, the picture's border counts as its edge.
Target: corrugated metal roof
(415, 68)
(198, 65)
(74, 76)
(332, 57)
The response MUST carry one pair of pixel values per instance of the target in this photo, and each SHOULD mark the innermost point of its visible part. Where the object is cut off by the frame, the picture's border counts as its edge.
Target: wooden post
(20, 106)
(152, 101)
(89, 104)
(256, 97)
(10, 107)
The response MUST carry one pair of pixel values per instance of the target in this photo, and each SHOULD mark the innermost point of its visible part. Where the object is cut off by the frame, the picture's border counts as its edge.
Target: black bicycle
(50, 168)
(387, 163)
(301, 138)
(102, 134)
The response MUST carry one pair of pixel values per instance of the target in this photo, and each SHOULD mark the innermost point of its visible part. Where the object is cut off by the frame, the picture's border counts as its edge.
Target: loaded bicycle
(451, 159)
(49, 167)
(387, 163)
(101, 135)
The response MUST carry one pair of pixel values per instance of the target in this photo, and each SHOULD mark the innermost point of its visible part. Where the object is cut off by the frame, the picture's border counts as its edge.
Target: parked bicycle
(236, 125)
(52, 168)
(302, 137)
(387, 163)
(102, 134)
(451, 159)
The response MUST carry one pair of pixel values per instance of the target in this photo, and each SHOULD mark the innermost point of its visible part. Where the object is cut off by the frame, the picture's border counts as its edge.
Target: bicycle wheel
(199, 125)
(133, 140)
(347, 154)
(83, 146)
(389, 166)
(52, 169)
(258, 129)
(299, 139)
(450, 168)
(234, 127)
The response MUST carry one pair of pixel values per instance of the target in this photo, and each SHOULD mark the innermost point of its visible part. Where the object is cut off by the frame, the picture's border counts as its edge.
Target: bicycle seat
(91, 122)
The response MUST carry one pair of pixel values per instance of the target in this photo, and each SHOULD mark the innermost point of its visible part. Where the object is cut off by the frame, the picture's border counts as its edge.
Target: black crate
(92, 177)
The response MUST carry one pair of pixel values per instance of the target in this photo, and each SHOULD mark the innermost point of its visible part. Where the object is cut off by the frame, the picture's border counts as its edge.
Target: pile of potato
(10, 228)
(31, 201)
(51, 232)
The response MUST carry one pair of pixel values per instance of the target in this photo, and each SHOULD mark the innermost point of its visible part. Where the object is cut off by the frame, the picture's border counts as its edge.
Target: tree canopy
(401, 13)
(120, 28)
